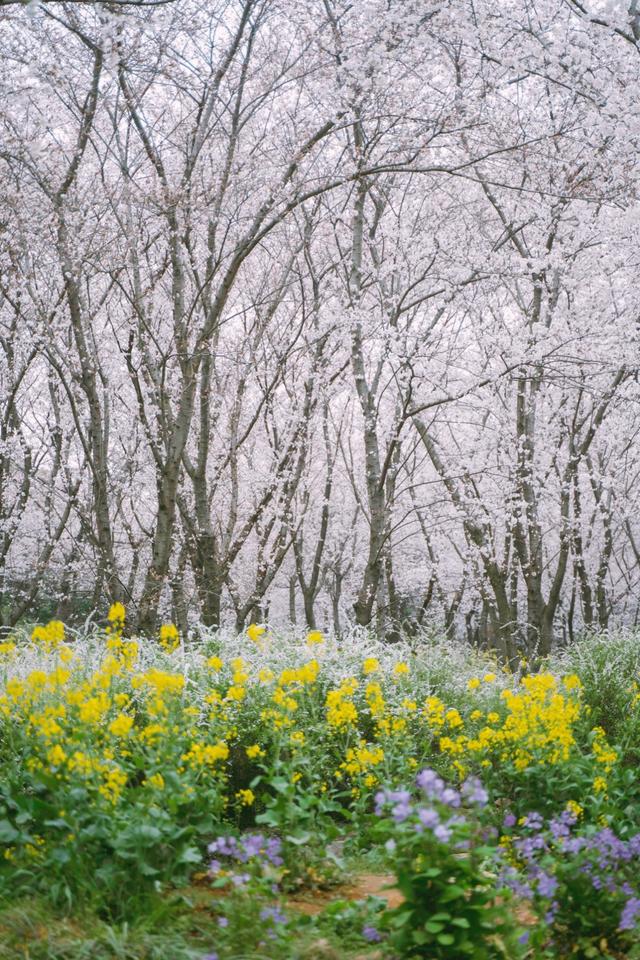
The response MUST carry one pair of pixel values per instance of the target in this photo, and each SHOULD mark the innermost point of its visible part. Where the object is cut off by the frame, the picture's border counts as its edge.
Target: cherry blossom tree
(322, 312)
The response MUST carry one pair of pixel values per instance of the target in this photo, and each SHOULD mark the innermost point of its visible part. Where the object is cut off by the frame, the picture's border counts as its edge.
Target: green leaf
(190, 855)
(298, 839)
(146, 832)
(445, 939)
(453, 892)
(270, 817)
(280, 785)
(8, 833)
(60, 855)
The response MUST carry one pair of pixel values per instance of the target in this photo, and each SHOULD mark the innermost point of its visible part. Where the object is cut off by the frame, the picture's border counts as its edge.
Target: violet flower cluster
(440, 795)
(254, 851)
(603, 857)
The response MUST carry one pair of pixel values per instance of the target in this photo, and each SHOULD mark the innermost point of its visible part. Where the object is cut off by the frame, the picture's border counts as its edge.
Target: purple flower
(527, 846)
(401, 812)
(429, 781)
(252, 847)
(574, 844)
(547, 885)
(509, 820)
(442, 833)
(399, 796)
(223, 921)
(456, 821)
(273, 914)
(473, 790)
(210, 956)
(371, 934)
(428, 818)
(534, 821)
(630, 913)
(227, 846)
(274, 846)
(524, 937)
(521, 889)
(215, 866)
(239, 879)
(558, 829)
(450, 797)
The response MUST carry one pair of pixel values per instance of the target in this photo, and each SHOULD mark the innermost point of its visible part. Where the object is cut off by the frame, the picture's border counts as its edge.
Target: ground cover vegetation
(177, 796)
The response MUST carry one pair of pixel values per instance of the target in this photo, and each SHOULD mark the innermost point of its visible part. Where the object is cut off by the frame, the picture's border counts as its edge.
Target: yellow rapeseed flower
(116, 612)
(255, 631)
(169, 637)
(121, 726)
(50, 636)
(56, 756)
(246, 797)
(370, 665)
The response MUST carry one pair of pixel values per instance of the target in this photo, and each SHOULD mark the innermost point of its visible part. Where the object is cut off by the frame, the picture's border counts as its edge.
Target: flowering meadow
(176, 798)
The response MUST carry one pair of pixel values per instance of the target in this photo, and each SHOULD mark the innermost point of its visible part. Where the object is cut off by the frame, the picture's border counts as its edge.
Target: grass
(184, 929)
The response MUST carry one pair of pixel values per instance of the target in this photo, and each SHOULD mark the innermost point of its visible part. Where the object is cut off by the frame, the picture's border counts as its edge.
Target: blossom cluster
(254, 852)
(550, 861)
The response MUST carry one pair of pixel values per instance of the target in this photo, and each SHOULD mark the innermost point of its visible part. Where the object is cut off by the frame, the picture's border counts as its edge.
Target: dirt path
(363, 886)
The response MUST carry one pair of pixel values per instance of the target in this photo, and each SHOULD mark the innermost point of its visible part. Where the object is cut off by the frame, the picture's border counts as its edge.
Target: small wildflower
(245, 797)
(255, 631)
(370, 934)
(169, 637)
